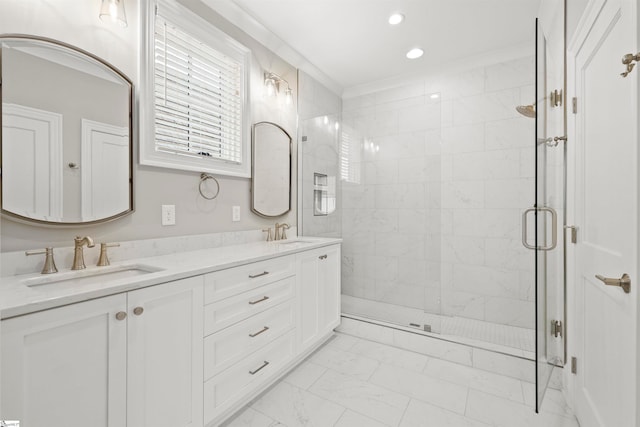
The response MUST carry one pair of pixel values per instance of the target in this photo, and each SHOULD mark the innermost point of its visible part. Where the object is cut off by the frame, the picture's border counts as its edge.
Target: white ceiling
(351, 42)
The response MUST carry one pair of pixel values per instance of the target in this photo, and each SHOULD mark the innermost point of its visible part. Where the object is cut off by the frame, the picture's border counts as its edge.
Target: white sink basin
(290, 242)
(91, 275)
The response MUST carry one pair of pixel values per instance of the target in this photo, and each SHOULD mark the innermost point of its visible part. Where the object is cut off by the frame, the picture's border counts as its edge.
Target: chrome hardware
(73, 165)
(556, 328)
(78, 255)
(264, 273)
(629, 60)
(138, 311)
(260, 300)
(269, 235)
(556, 98)
(49, 264)
(121, 315)
(204, 177)
(554, 229)
(574, 232)
(624, 282)
(322, 257)
(103, 259)
(260, 368)
(265, 329)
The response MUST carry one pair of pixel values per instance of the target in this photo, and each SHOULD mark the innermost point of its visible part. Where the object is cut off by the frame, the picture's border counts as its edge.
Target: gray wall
(77, 23)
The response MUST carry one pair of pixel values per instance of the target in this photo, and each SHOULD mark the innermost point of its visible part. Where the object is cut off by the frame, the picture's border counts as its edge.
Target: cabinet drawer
(225, 283)
(225, 313)
(225, 388)
(226, 347)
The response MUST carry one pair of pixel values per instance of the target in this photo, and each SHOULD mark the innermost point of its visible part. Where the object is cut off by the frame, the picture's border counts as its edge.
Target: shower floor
(491, 336)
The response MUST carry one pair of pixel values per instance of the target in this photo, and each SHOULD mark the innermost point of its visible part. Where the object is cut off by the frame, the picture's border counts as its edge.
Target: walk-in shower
(427, 183)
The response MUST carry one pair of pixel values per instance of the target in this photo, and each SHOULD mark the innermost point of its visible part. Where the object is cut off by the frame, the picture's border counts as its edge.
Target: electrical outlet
(168, 214)
(235, 214)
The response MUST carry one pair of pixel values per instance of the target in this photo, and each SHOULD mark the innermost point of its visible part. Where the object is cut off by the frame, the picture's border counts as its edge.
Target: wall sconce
(113, 10)
(272, 83)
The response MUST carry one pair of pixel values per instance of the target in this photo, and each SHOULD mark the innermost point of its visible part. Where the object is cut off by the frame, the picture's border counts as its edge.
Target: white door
(66, 366)
(165, 355)
(32, 188)
(606, 214)
(104, 170)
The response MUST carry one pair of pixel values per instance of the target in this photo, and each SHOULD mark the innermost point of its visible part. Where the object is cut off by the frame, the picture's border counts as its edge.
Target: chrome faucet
(78, 254)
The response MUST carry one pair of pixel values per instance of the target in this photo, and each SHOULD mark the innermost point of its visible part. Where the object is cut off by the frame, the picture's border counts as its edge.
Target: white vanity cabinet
(131, 359)
(249, 322)
(318, 275)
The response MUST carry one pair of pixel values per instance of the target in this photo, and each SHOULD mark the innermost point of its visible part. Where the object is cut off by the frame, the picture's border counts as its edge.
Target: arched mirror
(271, 170)
(66, 134)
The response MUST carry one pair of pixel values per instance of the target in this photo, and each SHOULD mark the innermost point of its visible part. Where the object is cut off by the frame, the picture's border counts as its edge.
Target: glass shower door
(549, 209)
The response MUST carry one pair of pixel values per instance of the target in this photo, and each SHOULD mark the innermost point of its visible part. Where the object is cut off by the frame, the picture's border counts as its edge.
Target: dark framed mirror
(66, 136)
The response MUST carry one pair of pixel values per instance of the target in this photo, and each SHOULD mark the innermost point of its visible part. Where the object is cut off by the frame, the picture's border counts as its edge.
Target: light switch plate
(235, 214)
(168, 214)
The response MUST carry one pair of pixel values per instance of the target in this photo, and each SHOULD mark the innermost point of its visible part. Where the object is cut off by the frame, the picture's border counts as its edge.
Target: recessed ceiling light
(415, 53)
(396, 18)
(435, 95)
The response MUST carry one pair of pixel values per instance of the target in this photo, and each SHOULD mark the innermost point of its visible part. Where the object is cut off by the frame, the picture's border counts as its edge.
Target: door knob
(624, 282)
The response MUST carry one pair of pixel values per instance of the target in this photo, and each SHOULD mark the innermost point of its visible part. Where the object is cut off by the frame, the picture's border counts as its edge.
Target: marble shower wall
(435, 191)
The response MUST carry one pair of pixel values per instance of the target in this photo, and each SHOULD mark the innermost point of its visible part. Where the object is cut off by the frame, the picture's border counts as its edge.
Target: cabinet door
(66, 367)
(308, 297)
(329, 280)
(165, 362)
(319, 293)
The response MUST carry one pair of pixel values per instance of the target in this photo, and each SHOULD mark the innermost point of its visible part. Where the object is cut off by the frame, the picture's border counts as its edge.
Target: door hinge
(574, 102)
(556, 328)
(556, 98)
(574, 232)
(574, 365)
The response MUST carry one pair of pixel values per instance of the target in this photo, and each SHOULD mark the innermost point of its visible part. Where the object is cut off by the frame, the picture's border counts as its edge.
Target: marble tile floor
(353, 382)
(492, 336)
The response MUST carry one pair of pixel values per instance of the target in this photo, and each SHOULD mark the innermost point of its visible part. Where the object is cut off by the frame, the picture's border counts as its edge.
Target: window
(196, 90)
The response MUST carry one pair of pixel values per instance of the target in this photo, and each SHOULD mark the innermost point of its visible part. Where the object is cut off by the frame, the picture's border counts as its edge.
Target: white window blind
(198, 97)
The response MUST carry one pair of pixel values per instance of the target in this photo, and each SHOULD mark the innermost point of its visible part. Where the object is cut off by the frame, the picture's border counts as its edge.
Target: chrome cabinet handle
(260, 368)
(265, 329)
(624, 282)
(260, 300)
(121, 315)
(322, 257)
(264, 273)
(554, 229)
(138, 311)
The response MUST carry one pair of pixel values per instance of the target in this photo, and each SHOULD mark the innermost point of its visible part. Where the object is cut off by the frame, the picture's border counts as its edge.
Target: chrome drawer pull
(265, 329)
(264, 273)
(322, 257)
(260, 368)
(260, 300)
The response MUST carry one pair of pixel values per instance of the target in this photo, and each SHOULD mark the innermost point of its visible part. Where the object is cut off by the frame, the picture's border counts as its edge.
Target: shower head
(527, 110)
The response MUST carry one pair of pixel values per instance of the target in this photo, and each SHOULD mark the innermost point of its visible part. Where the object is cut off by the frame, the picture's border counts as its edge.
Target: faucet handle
(284, 227)
(269, 235)
(49, 263)
(103, 259)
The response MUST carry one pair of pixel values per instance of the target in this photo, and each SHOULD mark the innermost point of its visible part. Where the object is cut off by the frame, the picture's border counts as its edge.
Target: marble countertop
(16, 298)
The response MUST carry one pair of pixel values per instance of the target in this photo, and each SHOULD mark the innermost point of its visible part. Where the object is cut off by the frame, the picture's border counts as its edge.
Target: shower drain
(426, 328)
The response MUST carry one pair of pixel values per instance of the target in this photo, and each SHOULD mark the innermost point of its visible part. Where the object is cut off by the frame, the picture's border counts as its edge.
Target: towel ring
(203, 178)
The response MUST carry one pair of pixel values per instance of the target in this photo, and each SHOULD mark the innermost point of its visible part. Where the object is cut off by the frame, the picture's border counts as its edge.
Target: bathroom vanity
(186, 341)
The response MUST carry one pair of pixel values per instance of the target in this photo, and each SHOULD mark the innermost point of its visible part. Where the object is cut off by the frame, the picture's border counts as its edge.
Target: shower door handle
(554, 229)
